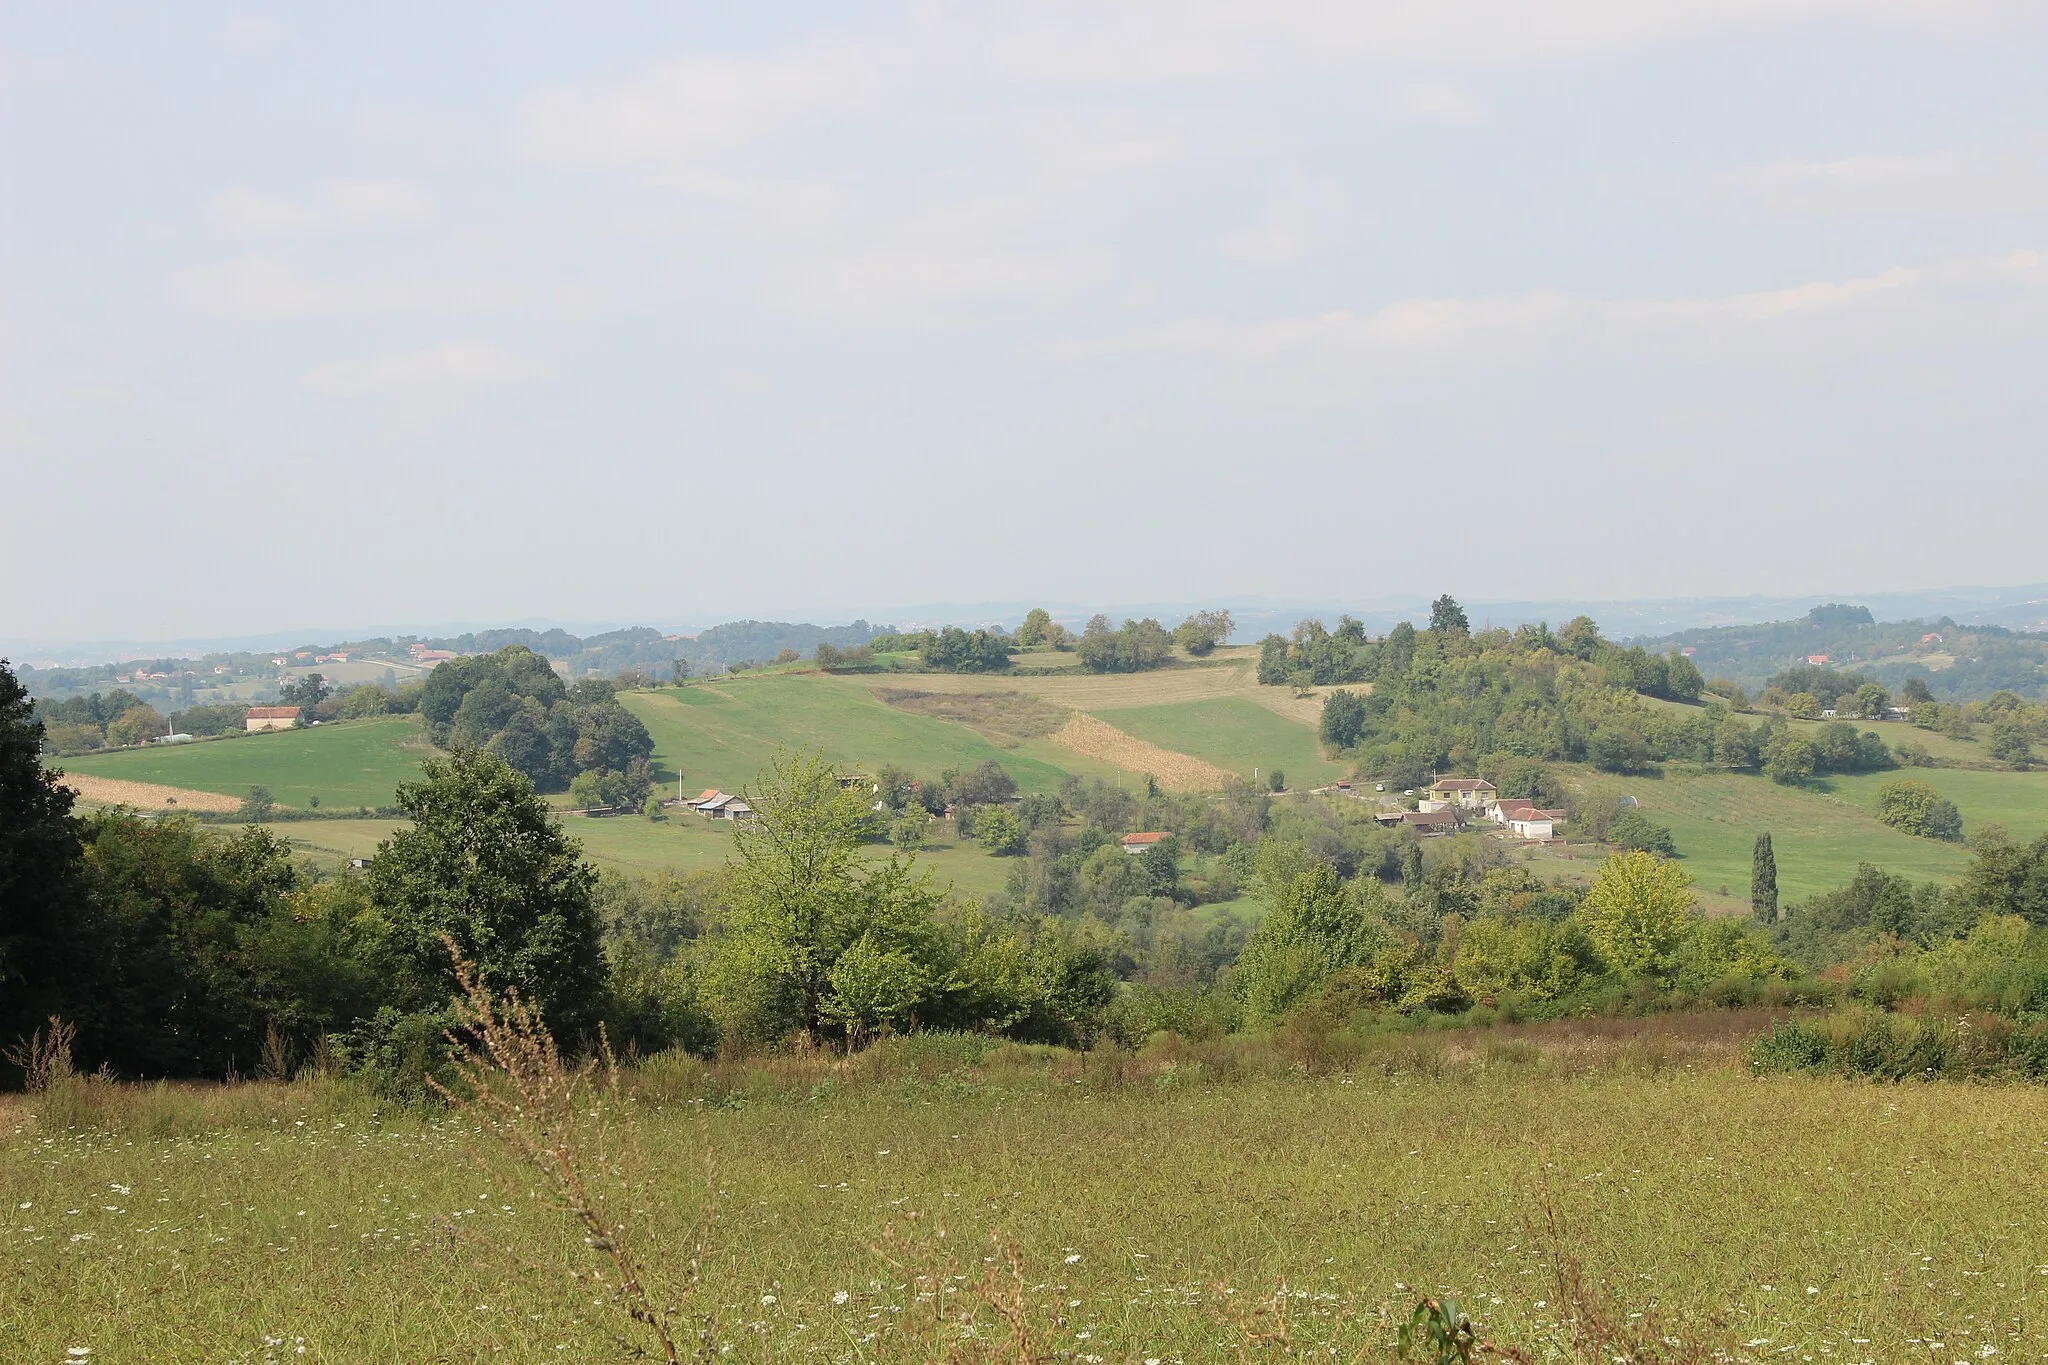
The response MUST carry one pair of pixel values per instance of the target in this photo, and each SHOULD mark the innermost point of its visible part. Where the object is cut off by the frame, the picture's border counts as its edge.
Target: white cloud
(338, 205)
(457, 364)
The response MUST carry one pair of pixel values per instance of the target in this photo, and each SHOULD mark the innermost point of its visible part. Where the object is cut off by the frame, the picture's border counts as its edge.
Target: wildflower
(78, 1352)
(767, 1299)
(1811, 1290)
(840, 1296)
(121, 1189)
(27, 1204)
(1074, 1259)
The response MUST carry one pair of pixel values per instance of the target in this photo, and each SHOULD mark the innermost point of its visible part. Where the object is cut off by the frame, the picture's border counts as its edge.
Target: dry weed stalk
(45, 1057)
(554, 1118)
(954, 1335)
(1599, 1321)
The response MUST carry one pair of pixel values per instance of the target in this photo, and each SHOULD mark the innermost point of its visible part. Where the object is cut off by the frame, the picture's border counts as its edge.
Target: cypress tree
(1763, 882)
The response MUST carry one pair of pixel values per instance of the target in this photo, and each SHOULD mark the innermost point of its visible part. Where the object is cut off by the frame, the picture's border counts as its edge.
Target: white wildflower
(767, 1299)
(1074, 1259)
(840, 1296)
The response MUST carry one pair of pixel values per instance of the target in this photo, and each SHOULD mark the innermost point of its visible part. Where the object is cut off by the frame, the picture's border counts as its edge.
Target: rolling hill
(348, 763)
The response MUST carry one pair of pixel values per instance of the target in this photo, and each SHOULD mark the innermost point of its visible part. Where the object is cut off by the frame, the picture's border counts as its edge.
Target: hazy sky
(393, 313)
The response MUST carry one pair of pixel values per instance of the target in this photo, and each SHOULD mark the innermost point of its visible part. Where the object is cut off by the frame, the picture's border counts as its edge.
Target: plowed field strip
(1091, 738)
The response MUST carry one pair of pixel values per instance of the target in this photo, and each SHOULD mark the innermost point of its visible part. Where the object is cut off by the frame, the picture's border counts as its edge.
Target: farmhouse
(1816, 659)
(1135, 844)
(271, 718)
(1467, 793)
(717, 805)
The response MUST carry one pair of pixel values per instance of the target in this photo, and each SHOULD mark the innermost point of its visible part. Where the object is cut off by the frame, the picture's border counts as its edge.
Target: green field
(722, 734)
(1819, 837)
(1234, 733)
(2019, 801)
(1155, 1206)
(348, 763)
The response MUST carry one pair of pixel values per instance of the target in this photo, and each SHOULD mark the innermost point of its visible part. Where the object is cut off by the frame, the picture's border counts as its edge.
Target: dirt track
(1091, 738)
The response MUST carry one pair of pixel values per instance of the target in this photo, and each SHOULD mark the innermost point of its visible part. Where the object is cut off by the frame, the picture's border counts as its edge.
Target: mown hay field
(1154, 1201)
(722, 734)
(348, 763)
(1235, 734)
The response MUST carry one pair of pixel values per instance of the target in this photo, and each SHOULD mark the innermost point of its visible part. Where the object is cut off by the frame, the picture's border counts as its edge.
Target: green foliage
(1635, 832)
(1343, 719)
(953, 650)
(1317, 926)
(2010, 743)
(1438, 1333)
(486, 865)
(1789, 760)
(999, 831)
(1763, 882)
(1917, 808)
(1446, 617)
(203, 721)
(1136, 646)
(1201, 633)
(137, 725)
(45, 955)
(1638, 912)
(513, 703)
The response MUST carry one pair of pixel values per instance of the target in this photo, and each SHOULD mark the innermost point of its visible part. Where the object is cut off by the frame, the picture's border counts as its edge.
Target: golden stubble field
(1160, 1203)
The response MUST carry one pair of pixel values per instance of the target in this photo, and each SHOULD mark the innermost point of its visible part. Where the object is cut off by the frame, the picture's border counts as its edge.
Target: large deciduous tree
(486, 864)
(42, 947)
(1638, 913)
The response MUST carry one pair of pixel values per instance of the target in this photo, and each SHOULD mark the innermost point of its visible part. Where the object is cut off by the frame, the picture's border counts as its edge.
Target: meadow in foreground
(1177, 1204)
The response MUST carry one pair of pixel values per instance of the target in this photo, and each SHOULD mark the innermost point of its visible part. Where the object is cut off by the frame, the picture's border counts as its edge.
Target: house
(1428, 822)
(1135, 844)
(434, 656)
(1467, 793)
(1688, 651)
(1540, 825)
(1932, 637)
(271, 718)
(717, 805)
(1504, 812)
(1816, 659)
(1898, 713)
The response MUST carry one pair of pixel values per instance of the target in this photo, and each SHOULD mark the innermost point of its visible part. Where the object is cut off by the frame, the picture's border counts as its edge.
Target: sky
(683, 312)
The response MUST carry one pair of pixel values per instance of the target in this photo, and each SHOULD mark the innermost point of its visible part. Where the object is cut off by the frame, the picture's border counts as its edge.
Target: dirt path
(113, 791)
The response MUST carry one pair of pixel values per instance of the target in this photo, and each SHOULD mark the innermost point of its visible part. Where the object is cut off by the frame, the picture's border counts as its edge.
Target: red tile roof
(1151, 837)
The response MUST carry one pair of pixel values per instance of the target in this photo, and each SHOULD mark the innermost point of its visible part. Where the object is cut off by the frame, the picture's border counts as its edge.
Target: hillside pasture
(723, 734)
(2016, 800)
(1155, 1203)
(346, 763)
(1818, 836)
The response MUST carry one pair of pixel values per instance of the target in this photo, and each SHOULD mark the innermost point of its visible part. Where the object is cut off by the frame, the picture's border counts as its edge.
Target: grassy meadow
(721, 734)
(1236, 734)
(347, 763)
(1176, 1205)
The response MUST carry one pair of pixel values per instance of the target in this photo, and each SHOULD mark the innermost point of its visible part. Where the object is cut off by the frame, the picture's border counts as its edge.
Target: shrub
(1638, 833)
(1917, 808)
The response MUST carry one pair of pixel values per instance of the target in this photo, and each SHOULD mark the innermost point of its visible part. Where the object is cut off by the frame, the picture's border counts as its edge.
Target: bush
(1638, 833)
(1917, 808)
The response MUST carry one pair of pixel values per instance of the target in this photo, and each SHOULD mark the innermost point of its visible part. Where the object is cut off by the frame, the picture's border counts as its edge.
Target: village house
(1467, 793)
(717, 805)
(1428, 822)
(271, 718)
(1135, 844)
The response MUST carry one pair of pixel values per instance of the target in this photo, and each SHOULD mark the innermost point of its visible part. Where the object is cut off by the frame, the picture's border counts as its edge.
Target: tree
(1446, 617)
(1682, 678)
(46, 953)
(1202, 632)
(802, 897)
(1789, 760)
(137, 725)
(1000, 831)
(1914, 692)
(1918, 808)
(1632, 830)
(1615, 750)
(2010, 743)
(1871, 701)
(1036, 630)
(1638, 913)
(486, 864)
(1344, 717)
(1763, 881)
(1136, 646)
(307, 693)
(257, 806)
(987, 783)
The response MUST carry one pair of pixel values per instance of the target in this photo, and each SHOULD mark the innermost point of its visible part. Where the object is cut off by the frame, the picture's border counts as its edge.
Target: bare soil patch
(1007, 718)
(114, 791)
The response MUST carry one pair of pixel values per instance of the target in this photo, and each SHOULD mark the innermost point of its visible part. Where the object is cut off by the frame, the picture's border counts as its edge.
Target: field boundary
(1092, 737)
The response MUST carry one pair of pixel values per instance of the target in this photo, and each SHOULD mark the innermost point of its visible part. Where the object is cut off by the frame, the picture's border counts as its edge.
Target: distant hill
(1958, 662)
